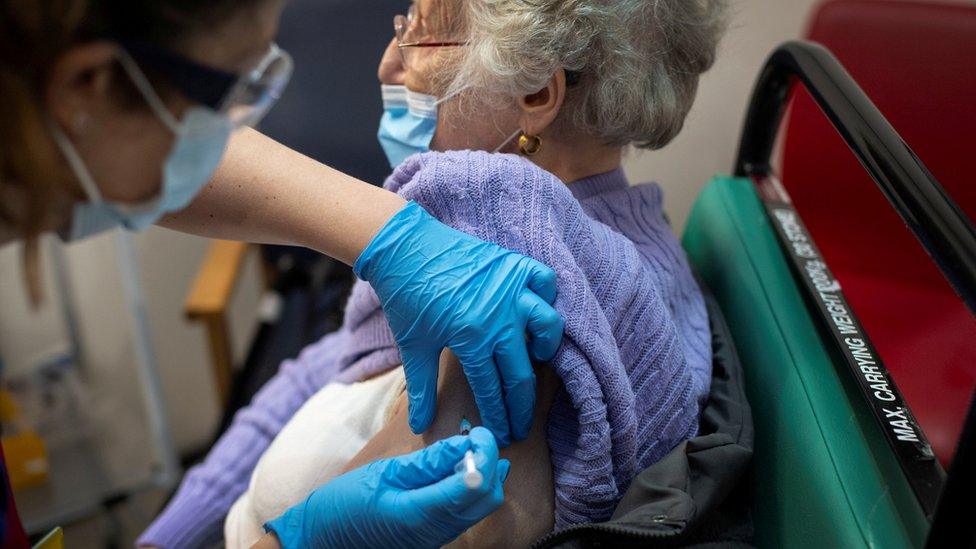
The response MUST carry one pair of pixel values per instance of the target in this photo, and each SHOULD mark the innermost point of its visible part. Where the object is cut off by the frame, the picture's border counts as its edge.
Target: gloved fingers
(485, 449)
(487, 390)
(493, 499)
(542, 280)
(504, 466)
(452, 494)
(483, 442)
(420, 370)
(428, 465)
(518, 380)
(289, 526)
(544, 325)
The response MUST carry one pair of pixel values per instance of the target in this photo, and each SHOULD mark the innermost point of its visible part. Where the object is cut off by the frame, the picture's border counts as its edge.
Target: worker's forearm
(265, 192)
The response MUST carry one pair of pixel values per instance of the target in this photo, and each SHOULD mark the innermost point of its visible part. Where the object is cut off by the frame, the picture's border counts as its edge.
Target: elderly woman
(563, 86)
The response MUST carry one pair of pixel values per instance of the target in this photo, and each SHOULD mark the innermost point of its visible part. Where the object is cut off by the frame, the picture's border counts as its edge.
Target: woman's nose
(391, 70)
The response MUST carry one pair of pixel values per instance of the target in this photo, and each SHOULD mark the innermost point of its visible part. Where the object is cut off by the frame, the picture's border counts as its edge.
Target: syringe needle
(472, 476)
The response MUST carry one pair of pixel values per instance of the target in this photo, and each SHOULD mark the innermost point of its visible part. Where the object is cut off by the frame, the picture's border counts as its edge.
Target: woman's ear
(540, 109)
(78, 86)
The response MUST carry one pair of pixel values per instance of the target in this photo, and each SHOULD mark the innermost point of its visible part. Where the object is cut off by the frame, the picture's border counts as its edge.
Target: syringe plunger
(472, 476)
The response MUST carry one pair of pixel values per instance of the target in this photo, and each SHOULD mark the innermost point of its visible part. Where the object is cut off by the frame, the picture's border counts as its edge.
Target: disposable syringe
(472, 476)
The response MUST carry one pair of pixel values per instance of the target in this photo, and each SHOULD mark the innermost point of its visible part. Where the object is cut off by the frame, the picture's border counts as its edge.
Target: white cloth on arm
(312, 449)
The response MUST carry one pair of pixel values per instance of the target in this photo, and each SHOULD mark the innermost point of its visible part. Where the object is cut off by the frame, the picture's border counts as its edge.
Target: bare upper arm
(528, 510)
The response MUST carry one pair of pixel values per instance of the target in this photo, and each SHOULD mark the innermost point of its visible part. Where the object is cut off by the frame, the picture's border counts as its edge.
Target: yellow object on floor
(27, 463)
(54, 540)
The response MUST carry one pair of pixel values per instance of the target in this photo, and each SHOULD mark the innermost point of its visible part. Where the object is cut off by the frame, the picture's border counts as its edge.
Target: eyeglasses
(412, 34)
(244, 98)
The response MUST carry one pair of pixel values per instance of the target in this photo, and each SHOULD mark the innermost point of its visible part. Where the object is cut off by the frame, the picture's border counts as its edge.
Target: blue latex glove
(440, 288)
(416, 500)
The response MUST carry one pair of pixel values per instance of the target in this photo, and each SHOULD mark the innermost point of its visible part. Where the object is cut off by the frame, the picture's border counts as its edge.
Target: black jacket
(697, 495)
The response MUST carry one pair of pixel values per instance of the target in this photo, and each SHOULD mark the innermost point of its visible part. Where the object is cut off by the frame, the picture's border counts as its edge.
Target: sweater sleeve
(195, 515)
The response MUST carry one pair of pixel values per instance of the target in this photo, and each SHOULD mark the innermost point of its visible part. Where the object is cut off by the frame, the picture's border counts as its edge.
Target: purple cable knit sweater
(635, 362)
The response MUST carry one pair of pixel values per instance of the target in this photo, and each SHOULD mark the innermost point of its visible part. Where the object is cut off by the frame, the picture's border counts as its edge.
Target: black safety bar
(945, 232)
(935, 219)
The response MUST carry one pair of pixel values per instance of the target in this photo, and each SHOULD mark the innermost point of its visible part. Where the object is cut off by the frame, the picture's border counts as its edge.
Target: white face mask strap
(148, 93)
(77, 164)
(507, 141)
(452, 95)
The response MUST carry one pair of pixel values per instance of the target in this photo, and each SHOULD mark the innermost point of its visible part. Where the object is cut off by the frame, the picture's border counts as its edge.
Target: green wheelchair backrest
(823, 474)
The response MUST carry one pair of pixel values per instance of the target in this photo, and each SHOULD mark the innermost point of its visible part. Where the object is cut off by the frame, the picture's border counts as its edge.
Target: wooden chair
(209, 300)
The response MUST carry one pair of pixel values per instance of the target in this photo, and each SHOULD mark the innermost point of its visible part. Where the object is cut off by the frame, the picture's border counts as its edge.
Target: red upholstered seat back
(917, 62)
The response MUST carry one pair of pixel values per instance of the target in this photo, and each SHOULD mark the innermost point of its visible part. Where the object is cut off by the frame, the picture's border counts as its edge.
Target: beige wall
(708, 144)
(168, 262)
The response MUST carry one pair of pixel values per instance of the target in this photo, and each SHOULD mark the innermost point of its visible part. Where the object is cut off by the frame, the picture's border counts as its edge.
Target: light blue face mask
(409, 122)
(201, 137)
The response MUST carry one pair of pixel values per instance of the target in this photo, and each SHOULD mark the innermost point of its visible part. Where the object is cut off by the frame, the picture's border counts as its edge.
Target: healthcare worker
(128, 113)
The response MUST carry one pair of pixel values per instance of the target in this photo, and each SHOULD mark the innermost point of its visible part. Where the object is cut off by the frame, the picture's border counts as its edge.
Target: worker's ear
(540, 109)
(79, 85)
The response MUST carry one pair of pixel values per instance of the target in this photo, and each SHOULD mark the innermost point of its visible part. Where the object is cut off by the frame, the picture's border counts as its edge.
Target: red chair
(917, 62)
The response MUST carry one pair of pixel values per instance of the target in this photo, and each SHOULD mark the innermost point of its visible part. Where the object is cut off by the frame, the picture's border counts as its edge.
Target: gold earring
(529, 144)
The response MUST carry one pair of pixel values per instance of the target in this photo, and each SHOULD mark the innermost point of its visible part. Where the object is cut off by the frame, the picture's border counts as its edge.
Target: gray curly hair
(638, 61)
